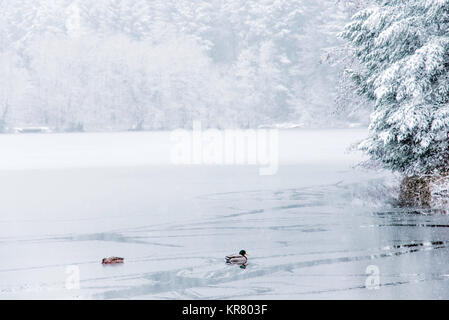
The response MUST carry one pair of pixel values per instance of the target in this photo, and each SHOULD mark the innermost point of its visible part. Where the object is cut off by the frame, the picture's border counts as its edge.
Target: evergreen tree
(403, 47)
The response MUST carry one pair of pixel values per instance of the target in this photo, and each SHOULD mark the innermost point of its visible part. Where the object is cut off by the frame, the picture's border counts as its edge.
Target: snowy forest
(144, 65)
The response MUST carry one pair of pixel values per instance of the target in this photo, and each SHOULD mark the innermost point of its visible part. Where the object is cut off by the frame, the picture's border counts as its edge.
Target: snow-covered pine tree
(403, 46)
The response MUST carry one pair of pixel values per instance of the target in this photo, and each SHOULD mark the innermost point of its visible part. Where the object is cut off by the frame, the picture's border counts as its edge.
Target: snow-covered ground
(312, 229)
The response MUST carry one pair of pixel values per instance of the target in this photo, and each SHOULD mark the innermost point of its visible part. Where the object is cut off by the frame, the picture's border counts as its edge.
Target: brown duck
(112, 260)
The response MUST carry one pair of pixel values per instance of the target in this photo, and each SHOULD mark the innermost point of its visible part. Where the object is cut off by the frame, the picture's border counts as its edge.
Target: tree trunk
(415, 192)
(427, 191)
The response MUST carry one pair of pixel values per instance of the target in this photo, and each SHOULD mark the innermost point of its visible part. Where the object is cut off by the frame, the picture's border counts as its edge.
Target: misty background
(100, 65)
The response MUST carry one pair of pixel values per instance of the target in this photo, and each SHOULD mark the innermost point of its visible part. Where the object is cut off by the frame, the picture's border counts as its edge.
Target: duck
(237, 259)
(112, 260)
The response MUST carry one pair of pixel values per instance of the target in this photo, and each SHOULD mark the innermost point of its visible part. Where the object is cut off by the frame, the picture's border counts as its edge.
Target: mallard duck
(112, 260)
(238, 259)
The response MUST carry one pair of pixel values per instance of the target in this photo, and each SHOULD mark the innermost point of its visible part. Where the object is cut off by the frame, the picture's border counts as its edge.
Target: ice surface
(311, 230)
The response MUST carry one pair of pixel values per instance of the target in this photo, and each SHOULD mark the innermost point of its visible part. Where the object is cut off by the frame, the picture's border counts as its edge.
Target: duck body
(238, 259)
(112, 260)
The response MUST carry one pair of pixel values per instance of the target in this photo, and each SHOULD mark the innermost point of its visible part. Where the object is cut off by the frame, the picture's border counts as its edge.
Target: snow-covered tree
(348, 105)
(13, 89)
(403, 47)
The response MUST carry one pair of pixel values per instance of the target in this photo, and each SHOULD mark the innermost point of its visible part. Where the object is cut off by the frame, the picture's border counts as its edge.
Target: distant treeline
(129, 64)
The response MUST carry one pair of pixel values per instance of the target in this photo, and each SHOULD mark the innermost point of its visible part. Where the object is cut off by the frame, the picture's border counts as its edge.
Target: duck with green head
(238, 259)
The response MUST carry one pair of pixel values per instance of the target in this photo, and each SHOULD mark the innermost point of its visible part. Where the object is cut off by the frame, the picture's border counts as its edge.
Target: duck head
(243, 253)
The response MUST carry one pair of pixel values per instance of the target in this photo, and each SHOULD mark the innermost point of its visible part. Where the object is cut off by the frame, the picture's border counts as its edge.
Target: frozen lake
(312, 230)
